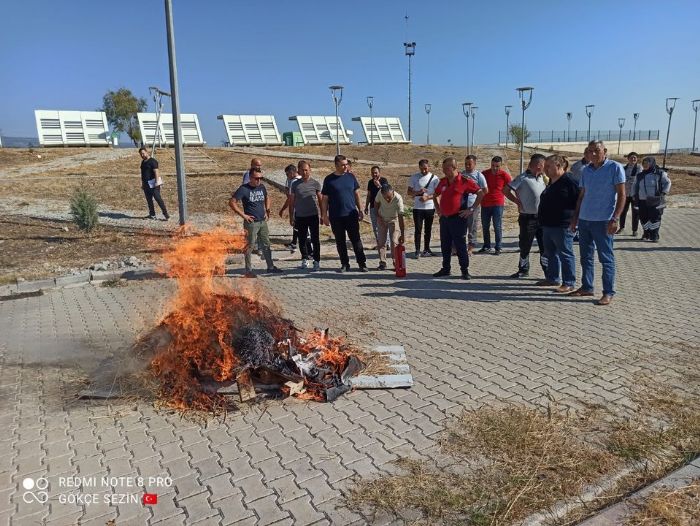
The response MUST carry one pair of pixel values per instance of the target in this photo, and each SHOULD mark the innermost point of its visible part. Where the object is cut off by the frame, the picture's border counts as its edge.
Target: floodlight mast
(507, 110)
(670, 106)
(409, 51)
(177, 130)
(428, 108)
(337, 95)
(466, 107)
(525, 96)
(370, 103)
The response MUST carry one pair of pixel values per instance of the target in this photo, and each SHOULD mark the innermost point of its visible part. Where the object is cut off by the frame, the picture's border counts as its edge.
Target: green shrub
(83, 208)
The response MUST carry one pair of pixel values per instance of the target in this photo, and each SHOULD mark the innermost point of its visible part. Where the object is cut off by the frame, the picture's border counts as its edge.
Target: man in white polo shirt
(600, 203)
(528, 187)
(422, 187)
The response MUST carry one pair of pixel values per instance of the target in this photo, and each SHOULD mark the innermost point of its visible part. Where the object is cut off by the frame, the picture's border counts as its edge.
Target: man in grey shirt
(471, 172)
(525, 191)
(304, 206)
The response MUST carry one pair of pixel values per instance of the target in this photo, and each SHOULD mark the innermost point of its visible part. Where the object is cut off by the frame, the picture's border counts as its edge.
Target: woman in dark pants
(556, 208)
(632, 168)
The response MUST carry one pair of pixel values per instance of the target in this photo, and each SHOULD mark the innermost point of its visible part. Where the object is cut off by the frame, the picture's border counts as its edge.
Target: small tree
(121, 107)
(83, 208)
(519, 133)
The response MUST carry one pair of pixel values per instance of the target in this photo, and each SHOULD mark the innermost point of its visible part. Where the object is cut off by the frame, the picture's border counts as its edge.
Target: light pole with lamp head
(568, 125)
(620, 124)
(428, 107)
(696, 105)
(670, 106)
(507, 108)
(465, 109)
(589, 112)
(410, 50)
(474, 108)
(635, 116)
(158, 95)
(525, 95)
(337, 94)
(370, 103)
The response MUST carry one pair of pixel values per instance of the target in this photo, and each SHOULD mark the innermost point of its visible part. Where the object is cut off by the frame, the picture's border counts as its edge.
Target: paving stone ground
(468, 344)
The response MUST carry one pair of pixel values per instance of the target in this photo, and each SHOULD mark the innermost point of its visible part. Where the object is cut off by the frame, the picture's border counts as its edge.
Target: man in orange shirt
(448, 199)
(493, 204)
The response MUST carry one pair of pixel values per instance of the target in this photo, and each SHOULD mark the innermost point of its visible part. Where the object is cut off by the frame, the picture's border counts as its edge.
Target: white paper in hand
(155, 182)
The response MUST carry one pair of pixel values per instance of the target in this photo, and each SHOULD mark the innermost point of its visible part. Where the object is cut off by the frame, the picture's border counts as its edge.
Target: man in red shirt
(493, 203)
(453, 218)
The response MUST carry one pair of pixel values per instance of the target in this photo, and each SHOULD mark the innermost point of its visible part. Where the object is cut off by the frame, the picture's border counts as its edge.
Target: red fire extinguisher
(400, 260)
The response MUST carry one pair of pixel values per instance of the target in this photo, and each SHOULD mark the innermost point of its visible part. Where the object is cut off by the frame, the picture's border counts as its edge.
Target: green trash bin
(288, 138)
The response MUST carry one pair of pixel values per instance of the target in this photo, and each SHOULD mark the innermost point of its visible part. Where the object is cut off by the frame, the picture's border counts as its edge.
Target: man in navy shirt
(255, 212)
(151, 183)
(342, 210)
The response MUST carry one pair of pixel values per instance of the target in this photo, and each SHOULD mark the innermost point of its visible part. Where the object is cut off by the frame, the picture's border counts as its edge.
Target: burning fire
(215, 335)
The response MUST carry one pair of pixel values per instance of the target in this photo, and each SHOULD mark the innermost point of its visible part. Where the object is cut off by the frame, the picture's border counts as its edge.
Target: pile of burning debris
(214, 339)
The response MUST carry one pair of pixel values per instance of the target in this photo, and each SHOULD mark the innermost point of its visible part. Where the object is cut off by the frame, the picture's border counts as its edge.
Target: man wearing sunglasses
(252, 203)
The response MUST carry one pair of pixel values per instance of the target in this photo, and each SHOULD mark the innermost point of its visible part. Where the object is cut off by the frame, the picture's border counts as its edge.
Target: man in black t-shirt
(255, 212)
(151, 182)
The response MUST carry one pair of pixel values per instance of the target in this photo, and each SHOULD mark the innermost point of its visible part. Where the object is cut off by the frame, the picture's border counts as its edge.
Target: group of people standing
(555, 202)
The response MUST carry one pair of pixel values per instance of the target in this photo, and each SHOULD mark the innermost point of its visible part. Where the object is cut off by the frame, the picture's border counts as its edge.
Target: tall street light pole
(568, 126)
(177, 130)
(370, 103)
(525, 95)
(670, 106)
(410, 50)
(696, 105)
(465, 109)
(428, 107)
(621, 124)
(634, 132)
(589, 112)
(507, 108)
(474, 108)
(337, 94)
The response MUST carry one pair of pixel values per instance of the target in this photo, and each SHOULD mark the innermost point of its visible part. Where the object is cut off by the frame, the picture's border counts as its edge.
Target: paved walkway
(468, 344)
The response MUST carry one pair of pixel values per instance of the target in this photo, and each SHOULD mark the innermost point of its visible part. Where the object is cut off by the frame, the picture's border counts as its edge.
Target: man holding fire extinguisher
(453, 217)
(389, 207)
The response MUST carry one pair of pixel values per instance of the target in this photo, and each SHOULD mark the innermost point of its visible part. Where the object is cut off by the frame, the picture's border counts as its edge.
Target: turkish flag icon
(149, 499)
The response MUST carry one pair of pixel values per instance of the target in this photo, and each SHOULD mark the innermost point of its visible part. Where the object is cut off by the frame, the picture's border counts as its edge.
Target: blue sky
(279, 57)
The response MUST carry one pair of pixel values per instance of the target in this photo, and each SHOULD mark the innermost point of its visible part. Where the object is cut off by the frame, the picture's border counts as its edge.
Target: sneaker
(304, 263)
(466, 275)
(428, 253)
(482, 250)
(249, 274)
(317, 266)
(275, 270)
(291, 246)
(310, 257)
(520, 274)
(417, 254)
(344, 268)
(364, 268)
(497, 252)
(441, 273)
(382, 266)
(153, 218)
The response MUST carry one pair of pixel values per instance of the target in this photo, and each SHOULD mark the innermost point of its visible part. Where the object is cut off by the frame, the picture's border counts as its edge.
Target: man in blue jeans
(600, 203)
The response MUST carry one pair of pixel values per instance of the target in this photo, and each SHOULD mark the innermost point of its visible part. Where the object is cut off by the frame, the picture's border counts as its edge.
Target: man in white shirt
(422, 187)
(471, 172)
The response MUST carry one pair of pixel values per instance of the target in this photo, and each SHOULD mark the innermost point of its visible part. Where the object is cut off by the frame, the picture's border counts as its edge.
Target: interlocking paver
(262, 466)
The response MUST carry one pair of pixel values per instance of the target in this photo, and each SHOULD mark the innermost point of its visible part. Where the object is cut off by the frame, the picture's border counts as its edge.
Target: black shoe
(152, 218)
(382, 266)
(441, 273)
(483, 249)
(364, 268)
(466, 275)
(497, 252)
(520, 274)
(428, 253)
(344, 268)
(275, 270)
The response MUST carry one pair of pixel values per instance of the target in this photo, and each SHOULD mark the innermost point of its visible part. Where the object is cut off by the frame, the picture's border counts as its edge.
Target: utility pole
(428, 107)
(370, 103)
(525, 95)
(508, 108)
(589, 112)
(568, 128)
(621, 124)
(337, 95)
(465, 109)
(634, 132)
(670, 106)
(696, 105)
